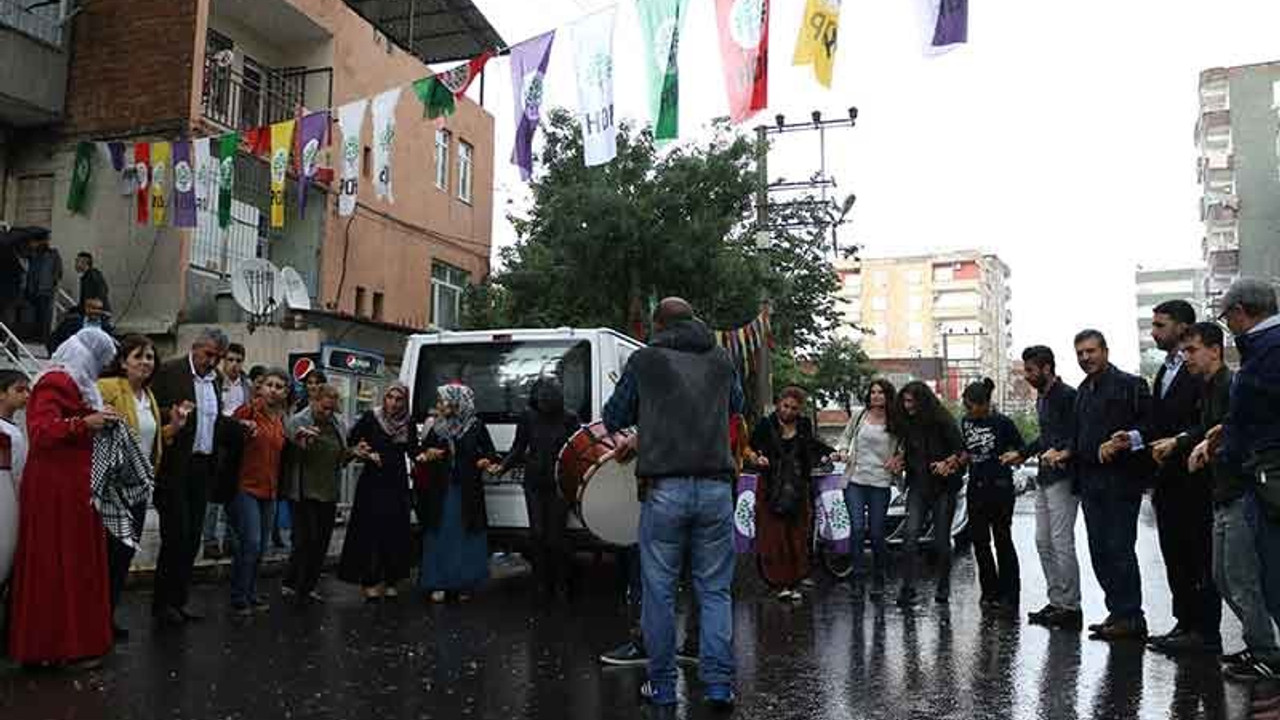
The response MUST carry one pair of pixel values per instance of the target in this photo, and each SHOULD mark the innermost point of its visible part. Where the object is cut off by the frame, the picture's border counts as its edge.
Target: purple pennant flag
(184, 186)
(116, 149)
(528, 68)
(953, 23)
(312, 135)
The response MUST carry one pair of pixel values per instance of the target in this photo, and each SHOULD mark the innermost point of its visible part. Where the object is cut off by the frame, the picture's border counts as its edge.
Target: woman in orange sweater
(253, 509)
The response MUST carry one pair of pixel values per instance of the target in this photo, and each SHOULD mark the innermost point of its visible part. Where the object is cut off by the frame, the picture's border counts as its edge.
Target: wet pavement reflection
(502, 656)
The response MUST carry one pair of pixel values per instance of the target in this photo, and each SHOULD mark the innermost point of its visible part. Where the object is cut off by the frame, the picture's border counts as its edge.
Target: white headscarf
(84, 356)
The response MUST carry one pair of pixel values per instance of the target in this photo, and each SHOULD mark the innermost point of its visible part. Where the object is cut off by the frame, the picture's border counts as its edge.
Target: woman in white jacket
(873, 461)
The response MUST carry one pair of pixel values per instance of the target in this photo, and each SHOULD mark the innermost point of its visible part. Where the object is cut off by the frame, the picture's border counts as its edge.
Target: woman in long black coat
(377, 551)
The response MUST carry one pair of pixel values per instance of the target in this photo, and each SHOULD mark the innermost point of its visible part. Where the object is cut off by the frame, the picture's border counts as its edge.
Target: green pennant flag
(228, 146)
(437, 100)
(660, 21)
(80, 173)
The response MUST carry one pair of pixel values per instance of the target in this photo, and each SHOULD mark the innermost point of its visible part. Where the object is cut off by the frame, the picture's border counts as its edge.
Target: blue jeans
(692, 515)
(215, 524)
(1111, 519)
(251, 519)
(867, 509)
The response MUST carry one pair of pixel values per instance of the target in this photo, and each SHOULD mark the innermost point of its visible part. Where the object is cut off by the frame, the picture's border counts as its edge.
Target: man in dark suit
(1183, 501)
(188, 384)
(1112, 480)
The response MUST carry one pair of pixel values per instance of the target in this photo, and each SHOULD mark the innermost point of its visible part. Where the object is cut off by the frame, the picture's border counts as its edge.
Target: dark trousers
(991, 521)
(1111, 519)
(1184, 521)
(548, 515)
(120, 558)
(181, 504)
(42, 308)
(312, 531)
(940, 506)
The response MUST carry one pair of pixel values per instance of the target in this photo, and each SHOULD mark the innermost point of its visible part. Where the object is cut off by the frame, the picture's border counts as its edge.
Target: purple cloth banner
(184, 186)
(953, 23)
(312, 133)
(744, 515)
(528, 68)
(117, 155)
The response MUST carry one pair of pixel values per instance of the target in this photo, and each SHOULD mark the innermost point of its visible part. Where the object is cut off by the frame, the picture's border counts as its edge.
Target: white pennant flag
(384, 139)
(593, 53)
(205, 169)
(350, 125)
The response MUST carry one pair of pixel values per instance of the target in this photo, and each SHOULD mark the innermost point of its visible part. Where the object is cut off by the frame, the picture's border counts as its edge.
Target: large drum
(600, 490)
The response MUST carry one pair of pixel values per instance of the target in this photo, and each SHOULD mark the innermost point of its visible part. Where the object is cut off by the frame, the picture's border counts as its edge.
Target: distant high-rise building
(1239, 170)
(1155, 287)
(953, 306)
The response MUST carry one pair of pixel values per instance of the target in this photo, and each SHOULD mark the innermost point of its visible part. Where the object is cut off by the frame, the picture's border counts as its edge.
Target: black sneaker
(687, 654)
(1188, 643)
(1041, 616)
(1244, 657)
(1098, 627)
(1122, 630)
(628, 654)
(1155, 642)
(1252, 672)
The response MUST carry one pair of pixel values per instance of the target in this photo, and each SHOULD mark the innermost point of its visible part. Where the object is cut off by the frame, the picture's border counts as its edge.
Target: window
(465, 154)
(360, 293)
(943, 273)
(917, 302)
(881, 278)
(915, 277)
(366, 162)
(442, 160)
(35, 200)
(916, 330)
(447, 285)
(377, 305)
(251, 93)
(879, 302)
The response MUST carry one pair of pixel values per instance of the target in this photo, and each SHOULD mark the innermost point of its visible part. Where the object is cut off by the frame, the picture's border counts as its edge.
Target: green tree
(600, 244)
(835, 373)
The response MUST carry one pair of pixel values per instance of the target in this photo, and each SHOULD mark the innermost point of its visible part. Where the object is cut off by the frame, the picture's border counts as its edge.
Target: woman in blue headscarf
(458, 452)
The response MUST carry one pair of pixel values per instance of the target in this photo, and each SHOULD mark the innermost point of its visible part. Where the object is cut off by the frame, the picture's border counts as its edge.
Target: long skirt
(783, 544)
(452, 558)
(377, 546)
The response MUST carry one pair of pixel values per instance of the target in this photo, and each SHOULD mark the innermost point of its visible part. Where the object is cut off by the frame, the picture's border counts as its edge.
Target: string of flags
(745, 343)
(174, 180)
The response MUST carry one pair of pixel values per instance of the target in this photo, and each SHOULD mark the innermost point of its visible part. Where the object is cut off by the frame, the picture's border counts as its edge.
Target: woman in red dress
(61, 604)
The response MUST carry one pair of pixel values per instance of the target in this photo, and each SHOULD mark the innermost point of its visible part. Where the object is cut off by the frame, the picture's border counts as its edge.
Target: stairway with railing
(15, 354)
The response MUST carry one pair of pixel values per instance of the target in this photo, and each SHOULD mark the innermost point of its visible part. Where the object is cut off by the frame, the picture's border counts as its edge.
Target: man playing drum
(679, 391)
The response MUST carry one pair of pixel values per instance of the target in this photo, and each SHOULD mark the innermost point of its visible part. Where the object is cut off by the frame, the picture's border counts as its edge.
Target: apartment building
(1155, 286)
(153, 70)
(952, 306)
(1239, 170)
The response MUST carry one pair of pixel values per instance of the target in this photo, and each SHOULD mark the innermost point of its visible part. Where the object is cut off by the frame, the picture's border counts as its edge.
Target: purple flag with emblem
(312, 133)
(528, 67)
(952, 26)
(184, 186)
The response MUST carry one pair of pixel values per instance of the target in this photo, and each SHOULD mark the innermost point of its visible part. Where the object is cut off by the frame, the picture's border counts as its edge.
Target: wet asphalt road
(501, 657)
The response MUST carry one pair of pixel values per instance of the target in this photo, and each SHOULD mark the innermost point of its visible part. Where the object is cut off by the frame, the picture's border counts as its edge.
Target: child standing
(989, 439)
(14, 389)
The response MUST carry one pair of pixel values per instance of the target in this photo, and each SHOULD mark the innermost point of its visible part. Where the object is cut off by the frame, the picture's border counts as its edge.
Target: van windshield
(502, 374)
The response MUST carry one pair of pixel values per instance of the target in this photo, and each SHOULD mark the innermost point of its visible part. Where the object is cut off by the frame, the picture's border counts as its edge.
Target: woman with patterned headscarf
(459, 451)
(61, 600)
(376, 552)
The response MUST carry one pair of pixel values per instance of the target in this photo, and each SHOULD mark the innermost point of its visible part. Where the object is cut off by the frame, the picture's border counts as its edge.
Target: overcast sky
(1060, 138)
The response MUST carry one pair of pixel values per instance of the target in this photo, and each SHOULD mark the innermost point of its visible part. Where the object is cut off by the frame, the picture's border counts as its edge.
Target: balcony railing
(42, 23)
(241, 102)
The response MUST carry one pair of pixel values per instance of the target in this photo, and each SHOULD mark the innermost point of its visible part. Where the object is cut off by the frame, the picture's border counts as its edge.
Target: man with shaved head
(678, 391)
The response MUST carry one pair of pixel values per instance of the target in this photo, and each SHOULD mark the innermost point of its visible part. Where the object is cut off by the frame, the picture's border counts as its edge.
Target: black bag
(1266, 472)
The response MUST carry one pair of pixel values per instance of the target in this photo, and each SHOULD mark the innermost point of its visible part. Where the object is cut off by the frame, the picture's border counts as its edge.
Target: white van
(501, 366)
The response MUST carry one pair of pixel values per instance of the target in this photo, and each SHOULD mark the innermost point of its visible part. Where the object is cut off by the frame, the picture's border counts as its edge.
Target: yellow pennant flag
(161, 171)
(816, 45)
(281, 144)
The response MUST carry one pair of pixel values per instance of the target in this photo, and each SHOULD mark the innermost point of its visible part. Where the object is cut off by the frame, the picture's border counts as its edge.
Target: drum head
(610, 508)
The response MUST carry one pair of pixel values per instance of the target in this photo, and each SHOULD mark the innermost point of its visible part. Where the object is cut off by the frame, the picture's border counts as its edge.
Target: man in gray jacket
(680, 391)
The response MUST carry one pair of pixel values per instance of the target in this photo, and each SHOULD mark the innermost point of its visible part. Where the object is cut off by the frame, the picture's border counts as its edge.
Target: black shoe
(687, 654)
(1253, 672)
(119, 634)
(1244, 657)
(1066, 619)
(1132, 629)
(1041, 616)
(1188, 643)
(169, 617)
(628, 654)
(190, 615)
(1155, 641)
(906, 597)
(1099, 627)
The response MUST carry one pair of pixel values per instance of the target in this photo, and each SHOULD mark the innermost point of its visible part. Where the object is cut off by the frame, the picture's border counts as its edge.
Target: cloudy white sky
(1060, 138)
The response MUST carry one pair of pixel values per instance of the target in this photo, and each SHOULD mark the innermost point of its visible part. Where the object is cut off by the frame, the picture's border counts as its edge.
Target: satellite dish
(295, 290)
(257, 288)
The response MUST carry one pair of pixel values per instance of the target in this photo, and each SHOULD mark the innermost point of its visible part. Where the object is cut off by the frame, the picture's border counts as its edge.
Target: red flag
(744, 49)
(142, 180)
(259, 140)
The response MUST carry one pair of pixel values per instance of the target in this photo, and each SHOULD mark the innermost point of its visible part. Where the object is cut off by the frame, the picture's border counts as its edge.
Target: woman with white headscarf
(458, 451)
(376, 551)
(61, 602)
